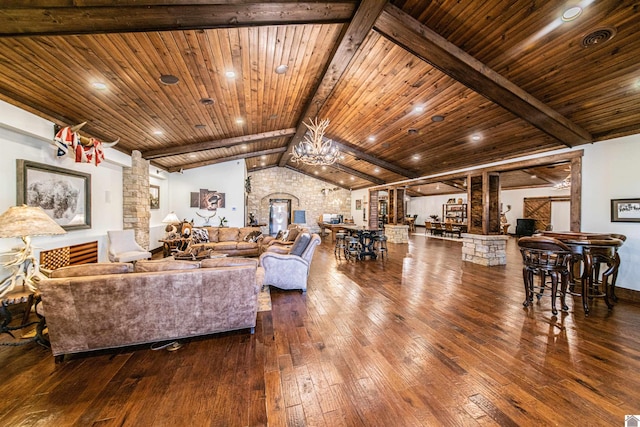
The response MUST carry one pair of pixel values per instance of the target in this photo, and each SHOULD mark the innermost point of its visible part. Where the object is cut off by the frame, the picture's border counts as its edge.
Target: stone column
(396, 233)
(135, 198)
(484, 249)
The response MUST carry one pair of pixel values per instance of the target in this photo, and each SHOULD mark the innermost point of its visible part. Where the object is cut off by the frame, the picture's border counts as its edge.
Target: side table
(169, 246)
(29, 299)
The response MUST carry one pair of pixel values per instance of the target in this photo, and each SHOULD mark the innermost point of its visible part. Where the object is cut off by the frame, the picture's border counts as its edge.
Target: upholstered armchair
(124, 248)
(290, 270)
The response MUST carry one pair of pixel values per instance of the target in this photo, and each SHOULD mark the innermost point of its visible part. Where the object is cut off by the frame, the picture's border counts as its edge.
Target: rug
(440, 237)
(264, 299)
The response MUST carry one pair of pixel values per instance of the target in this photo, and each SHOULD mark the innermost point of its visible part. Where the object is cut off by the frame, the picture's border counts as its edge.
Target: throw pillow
(93, 269)
(285, 235)
(293, 233)
(199, 235)
(254, 236)
(145, 266)
(300, 244)
(279, 235)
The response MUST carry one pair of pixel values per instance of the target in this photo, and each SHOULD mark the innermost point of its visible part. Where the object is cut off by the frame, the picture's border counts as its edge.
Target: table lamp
(24, 222)
(171, 219)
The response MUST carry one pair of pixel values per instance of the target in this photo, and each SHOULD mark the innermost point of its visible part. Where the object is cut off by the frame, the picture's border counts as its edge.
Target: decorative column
(396, 233)
(483, 249)
(135, 198)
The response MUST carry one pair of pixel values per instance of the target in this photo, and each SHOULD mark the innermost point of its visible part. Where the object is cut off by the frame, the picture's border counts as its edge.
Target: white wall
(26, 136)
(610, 171)
(430, 205)
(357, 215)
(560, 213)
(225, 178)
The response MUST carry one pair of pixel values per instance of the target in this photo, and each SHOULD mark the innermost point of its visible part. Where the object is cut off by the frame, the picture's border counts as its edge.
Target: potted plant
(434, 218)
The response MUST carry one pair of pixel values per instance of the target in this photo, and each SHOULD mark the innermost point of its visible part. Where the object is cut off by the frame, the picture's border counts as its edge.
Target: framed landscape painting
(154, 197)
(65, 195)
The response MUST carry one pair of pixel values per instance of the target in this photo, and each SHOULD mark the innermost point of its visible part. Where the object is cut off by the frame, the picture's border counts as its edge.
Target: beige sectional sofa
(233, 241)
(106, 305)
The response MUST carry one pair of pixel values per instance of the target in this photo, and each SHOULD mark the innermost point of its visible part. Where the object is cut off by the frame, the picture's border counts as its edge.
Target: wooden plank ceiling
(506, 78)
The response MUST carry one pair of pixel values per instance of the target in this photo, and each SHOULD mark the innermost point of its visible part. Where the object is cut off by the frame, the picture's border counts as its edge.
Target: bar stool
(341, 245)
(612, 260)
(545, 256)
(592, 253)
(380, 244)
(353, 249)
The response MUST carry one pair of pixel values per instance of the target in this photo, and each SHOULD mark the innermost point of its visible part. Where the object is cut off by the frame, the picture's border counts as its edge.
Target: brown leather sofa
(228, 240)
(107, 305)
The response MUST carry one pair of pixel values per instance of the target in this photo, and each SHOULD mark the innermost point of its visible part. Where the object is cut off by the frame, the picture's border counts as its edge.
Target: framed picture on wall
(625, 210)
(195, 199)
(154, 196)
(358, 204)
(65, 195)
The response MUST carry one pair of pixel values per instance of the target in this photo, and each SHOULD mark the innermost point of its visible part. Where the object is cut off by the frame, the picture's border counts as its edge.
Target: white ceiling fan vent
(598, 36)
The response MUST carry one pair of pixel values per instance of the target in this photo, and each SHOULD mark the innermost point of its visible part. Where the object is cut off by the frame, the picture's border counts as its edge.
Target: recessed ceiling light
(207, 101)
(263, 157)
(244, 146)
(157, 132)
(376, 170)
(324, 168)
(476, 137)
(353, 179)
(193, 156)
(99, 85)
(281, 69)
(533, 176)
(419, 109)
(416, 157)
(169, 79)
(230, 74)
(262, 163)
(437, 118)
(315, 172)
(239, 120)
(200, 126)
(342, 157)
(273, 117)
(371, 138)
(412, 131)
(341, 182)
(571, 13)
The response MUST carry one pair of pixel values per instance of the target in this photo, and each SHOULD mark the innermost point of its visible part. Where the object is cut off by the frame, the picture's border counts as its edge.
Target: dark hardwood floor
(419, 339)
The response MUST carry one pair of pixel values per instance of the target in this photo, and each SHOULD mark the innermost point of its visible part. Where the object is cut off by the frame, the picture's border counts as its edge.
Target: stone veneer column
(135, 198)
(484, 249)
(396, 233)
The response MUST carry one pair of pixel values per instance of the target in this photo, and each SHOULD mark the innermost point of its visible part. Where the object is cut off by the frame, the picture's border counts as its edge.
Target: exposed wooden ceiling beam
(554, 159)
(418, 39)
(226, 159)
(361, 24)
(540, 174)
(220, 143)
(375, 160)
(454, 184)
(357, 173)
(60, 17)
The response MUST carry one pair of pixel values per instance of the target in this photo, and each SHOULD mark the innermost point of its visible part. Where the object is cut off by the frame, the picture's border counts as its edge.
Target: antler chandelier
(314, 149)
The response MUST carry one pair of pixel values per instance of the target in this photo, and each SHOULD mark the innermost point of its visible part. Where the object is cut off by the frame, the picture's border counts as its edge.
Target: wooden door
(538, 209)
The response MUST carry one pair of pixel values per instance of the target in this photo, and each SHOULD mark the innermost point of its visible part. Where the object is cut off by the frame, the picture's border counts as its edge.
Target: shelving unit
(454, 212)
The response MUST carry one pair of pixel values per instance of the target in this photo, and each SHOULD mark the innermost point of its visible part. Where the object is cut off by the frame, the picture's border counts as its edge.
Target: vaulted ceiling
(411, 88)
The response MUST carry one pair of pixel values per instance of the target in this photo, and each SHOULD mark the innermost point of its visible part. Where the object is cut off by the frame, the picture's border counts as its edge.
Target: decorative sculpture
(83, 149)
